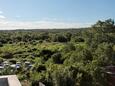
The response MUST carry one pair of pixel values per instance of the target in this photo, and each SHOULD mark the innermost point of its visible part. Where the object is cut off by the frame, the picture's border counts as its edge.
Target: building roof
(12, 80)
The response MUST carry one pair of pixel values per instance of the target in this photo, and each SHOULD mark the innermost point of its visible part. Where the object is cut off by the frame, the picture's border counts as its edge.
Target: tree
(69, 47)
(57, 58)
(59, 38)
(104, 54)
(68, 36)
(104, 26)
(46, 54)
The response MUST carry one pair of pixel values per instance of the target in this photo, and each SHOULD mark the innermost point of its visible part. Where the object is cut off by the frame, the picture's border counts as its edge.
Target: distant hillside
(73, 30)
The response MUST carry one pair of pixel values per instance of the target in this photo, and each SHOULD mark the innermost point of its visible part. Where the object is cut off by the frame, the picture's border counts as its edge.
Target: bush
(7, 55)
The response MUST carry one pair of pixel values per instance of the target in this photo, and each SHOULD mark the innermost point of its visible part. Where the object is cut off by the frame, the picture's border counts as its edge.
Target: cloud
(46, 23)
(11, 25)
(2, 17)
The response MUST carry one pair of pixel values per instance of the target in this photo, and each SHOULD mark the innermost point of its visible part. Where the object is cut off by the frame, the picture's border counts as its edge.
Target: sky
(40, 14)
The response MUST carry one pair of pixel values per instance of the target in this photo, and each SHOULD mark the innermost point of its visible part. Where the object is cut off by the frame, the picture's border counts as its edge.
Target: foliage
(67, 57)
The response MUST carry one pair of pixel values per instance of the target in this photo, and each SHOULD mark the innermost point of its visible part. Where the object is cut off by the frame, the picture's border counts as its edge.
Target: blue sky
(54, 12)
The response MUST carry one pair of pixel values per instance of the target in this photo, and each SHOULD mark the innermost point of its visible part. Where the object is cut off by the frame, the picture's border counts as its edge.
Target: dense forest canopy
(65, 57)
